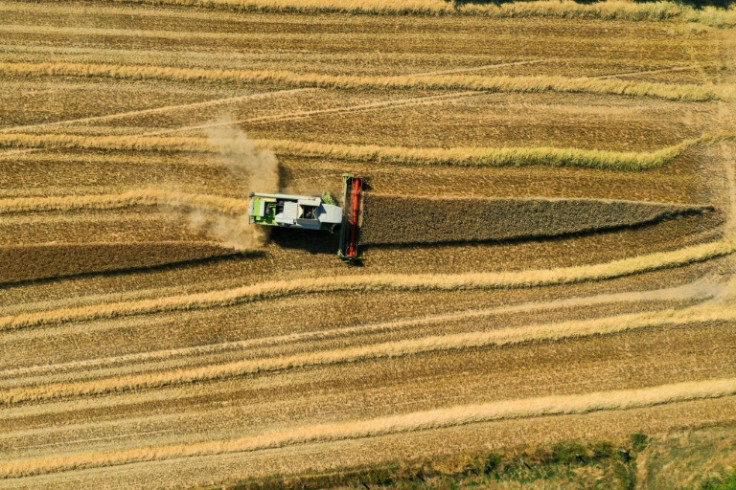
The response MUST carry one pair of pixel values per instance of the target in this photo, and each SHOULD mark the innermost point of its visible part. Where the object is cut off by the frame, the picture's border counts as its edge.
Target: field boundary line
(376, 282)
(499, 83)
(394, 424)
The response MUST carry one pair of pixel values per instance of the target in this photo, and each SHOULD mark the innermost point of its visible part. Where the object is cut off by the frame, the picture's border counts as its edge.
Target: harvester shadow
(125, 271)
(718, 220)
(307, 240)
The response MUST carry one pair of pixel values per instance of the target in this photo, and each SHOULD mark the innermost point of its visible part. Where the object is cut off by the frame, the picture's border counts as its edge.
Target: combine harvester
(315, 213)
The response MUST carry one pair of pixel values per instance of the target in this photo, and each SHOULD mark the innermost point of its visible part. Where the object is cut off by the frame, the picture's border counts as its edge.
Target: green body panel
(260, 216)
(327, 198)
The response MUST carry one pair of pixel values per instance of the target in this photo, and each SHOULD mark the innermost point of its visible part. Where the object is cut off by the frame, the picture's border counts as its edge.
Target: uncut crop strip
(146, 197)
(698, 291)
(523, 84)
(409, 422)
(377, 282)
(397, 219)
(155, 110)
(492, 157)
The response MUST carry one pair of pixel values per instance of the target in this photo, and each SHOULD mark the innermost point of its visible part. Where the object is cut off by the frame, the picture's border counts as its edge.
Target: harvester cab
(315, 213)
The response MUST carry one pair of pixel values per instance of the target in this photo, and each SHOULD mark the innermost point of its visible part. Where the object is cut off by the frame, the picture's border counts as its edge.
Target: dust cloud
(257, 168)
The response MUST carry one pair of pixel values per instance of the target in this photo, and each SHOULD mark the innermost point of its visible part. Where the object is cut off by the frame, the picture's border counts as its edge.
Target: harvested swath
(562, 9)
(699, 290)
(501, 337)
(409, 422)
(30, 262)
(412, 220)
(377, 282)
(147, 197)
(523, 84)
(142, 224)
(493, 157)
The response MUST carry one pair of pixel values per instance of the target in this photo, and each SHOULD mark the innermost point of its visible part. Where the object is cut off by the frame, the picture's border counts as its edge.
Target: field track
(549, 235)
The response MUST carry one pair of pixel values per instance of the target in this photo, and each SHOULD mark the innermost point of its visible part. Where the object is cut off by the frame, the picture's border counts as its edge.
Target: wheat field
(549, 238)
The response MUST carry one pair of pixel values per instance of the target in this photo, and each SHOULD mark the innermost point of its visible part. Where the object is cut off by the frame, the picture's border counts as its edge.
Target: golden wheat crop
(379, 282)
(158, 110)
(565, 9)
(142, 197)
(132, 333)
(573, 157)
(699, 290)
(446, 417)
(393, 220)
(523, 84)
(500, 337)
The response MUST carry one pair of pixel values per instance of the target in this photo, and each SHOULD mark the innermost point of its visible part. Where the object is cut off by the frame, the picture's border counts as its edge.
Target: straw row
(524, 84)
(402, 423)
(143, 197)
(375, 282)
(472, 156)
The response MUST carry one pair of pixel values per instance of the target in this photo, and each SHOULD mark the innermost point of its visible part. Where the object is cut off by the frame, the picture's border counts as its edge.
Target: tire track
(157, 110)
(646, 72)
(289, 116)
(477, 68)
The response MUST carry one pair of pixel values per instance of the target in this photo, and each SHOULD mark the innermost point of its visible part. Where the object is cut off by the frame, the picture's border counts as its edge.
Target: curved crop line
(493, 157)
(394, 424)
(698, 290)
(376, 282)
(146, 197)
(506, 336)
(502, 83)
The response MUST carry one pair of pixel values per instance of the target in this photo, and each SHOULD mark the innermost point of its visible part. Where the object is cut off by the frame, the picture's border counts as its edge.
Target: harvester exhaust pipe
(351, 218)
